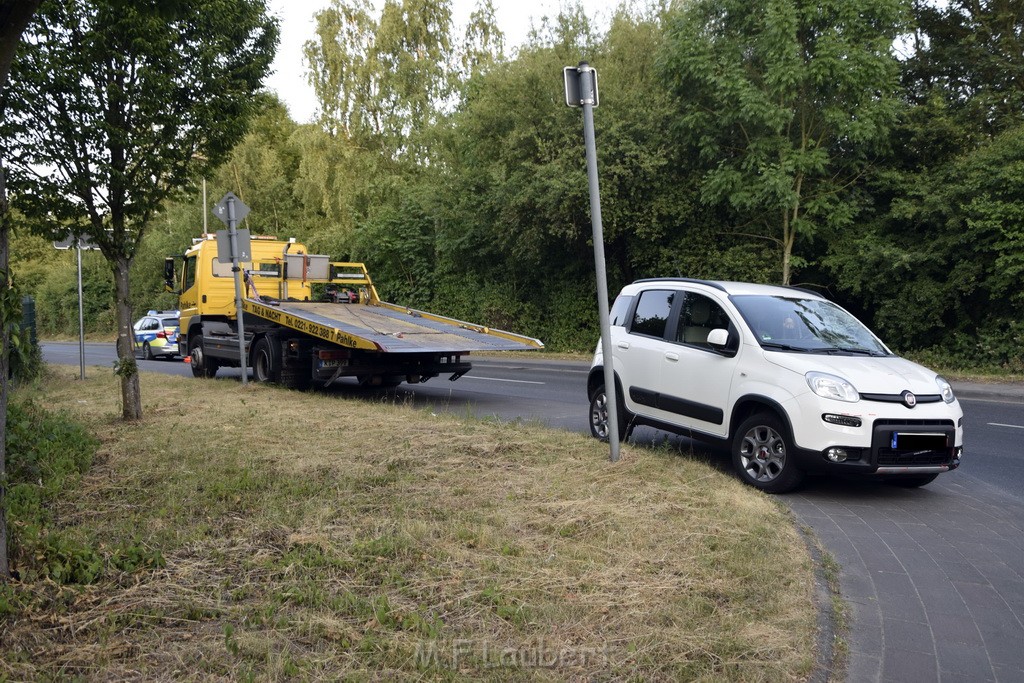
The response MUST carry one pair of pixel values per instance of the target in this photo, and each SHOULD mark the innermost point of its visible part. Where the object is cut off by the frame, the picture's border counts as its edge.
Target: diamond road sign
(220, 209)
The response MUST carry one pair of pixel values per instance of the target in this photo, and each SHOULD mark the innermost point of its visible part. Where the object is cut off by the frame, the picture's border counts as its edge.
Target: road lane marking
(999, 424)
(498, 379)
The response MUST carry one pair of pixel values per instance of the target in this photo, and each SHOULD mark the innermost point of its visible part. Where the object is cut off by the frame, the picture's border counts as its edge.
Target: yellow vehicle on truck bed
(308, 320)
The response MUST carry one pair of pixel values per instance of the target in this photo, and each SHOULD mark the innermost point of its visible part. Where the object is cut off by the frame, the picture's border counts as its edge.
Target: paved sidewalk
(1003, 391)
(933, 577)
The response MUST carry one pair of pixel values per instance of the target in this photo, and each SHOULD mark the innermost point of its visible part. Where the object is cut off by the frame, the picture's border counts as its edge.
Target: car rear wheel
(599, 425)
(147, 352)
(762, 454)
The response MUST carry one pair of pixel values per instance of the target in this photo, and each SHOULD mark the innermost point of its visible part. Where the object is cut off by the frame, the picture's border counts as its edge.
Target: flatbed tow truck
(309, 320)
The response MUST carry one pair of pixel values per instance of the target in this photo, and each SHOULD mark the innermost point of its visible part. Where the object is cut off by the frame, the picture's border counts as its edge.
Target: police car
(156, 335)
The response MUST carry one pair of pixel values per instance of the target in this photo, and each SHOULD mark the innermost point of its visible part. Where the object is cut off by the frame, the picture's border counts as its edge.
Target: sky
(289, 69)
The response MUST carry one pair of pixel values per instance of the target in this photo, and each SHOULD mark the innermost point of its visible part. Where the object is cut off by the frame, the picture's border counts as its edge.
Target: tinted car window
(619, 310)
(652, 313)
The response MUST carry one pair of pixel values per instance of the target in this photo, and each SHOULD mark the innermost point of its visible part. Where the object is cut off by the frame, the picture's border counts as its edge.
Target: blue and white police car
(156, 335)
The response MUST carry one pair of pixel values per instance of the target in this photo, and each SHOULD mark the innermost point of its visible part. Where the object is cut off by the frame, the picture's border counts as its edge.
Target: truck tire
(202, 365)
(297, 376)
(762, 453)
(266, 360)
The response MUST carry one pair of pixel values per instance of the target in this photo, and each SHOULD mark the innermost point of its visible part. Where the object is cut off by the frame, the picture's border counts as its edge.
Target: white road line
(999, 424)
(498, 379)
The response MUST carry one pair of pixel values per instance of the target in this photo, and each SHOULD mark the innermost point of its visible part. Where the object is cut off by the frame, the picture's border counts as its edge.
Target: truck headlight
(830, 386)
(945, 390)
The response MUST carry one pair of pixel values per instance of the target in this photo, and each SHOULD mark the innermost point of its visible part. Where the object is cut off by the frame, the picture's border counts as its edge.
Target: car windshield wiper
(853, 349)
(776, 346)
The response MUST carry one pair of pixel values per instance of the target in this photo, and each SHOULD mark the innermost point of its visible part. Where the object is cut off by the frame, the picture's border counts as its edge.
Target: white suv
(788, 380)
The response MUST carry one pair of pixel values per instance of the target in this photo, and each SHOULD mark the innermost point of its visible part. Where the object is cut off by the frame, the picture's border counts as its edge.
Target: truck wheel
(599, 427)
(762, 454)
(266, 360)
(202, 365)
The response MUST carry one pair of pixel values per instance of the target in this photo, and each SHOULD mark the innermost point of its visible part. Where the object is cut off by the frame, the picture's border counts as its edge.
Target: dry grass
(318, 537)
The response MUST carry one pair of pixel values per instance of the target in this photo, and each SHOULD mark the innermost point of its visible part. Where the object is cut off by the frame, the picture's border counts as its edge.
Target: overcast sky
(289, 77)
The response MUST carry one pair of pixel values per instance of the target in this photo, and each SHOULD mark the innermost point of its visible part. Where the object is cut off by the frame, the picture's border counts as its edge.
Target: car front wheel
(762, 454)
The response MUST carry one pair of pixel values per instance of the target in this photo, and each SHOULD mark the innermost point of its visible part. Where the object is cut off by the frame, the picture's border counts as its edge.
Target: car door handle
(623, 345)
(672, 356)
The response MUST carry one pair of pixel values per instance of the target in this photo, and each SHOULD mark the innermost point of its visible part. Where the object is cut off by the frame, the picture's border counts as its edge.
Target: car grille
(890, 458)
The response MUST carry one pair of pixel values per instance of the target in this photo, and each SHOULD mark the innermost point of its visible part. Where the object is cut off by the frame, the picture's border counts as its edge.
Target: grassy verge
(311, 536)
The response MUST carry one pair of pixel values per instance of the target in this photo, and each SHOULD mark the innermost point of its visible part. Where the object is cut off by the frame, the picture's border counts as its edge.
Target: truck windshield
(806, 325)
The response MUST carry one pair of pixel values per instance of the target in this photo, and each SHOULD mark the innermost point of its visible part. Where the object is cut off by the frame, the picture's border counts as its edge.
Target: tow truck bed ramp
(387, 327)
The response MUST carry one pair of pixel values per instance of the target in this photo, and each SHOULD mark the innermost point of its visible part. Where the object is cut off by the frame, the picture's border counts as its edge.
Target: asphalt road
(933, 577)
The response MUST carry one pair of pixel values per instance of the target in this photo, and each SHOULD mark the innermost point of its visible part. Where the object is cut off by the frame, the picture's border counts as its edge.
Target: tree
(483, 42)
(384, 82)
(971, 54)
(784, 101)
(338, 65)
(112, 109)
(14, 17)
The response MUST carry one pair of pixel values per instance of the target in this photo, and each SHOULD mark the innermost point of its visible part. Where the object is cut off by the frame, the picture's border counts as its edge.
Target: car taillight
(161, 335)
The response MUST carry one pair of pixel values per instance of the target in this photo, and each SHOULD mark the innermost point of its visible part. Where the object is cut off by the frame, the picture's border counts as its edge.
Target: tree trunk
(5, 567)
(128, 369)
(14, 17)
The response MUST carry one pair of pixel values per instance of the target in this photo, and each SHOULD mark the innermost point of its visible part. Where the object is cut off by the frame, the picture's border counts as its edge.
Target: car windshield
(806, 325)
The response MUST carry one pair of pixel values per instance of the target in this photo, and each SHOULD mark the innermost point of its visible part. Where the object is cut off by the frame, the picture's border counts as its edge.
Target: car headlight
(830, 386)
(945, 390)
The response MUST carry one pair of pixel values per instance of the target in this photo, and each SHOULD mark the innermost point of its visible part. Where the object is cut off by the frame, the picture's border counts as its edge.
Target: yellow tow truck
(308, 319)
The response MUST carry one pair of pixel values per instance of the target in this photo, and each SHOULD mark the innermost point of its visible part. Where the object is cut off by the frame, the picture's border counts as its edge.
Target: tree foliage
(784, 101)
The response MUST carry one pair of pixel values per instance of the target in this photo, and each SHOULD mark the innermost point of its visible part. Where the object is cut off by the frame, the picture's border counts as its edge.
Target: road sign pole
(81, 314)
(581, 90)
(237, 272)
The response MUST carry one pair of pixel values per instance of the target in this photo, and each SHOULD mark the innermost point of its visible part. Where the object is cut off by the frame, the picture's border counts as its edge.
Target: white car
(790, 382)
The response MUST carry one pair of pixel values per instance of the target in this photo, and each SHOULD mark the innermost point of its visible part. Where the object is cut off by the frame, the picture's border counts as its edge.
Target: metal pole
(588, 96)
(206, 211)
(236, 270)
(81, 315)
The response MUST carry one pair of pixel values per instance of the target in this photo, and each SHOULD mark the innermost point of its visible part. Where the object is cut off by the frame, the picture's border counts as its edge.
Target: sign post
(581, 91)
(79, 243)
(230, 209)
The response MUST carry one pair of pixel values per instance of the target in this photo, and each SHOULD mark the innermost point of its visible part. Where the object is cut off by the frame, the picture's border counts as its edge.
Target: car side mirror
(719, 339)
(169, 274)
